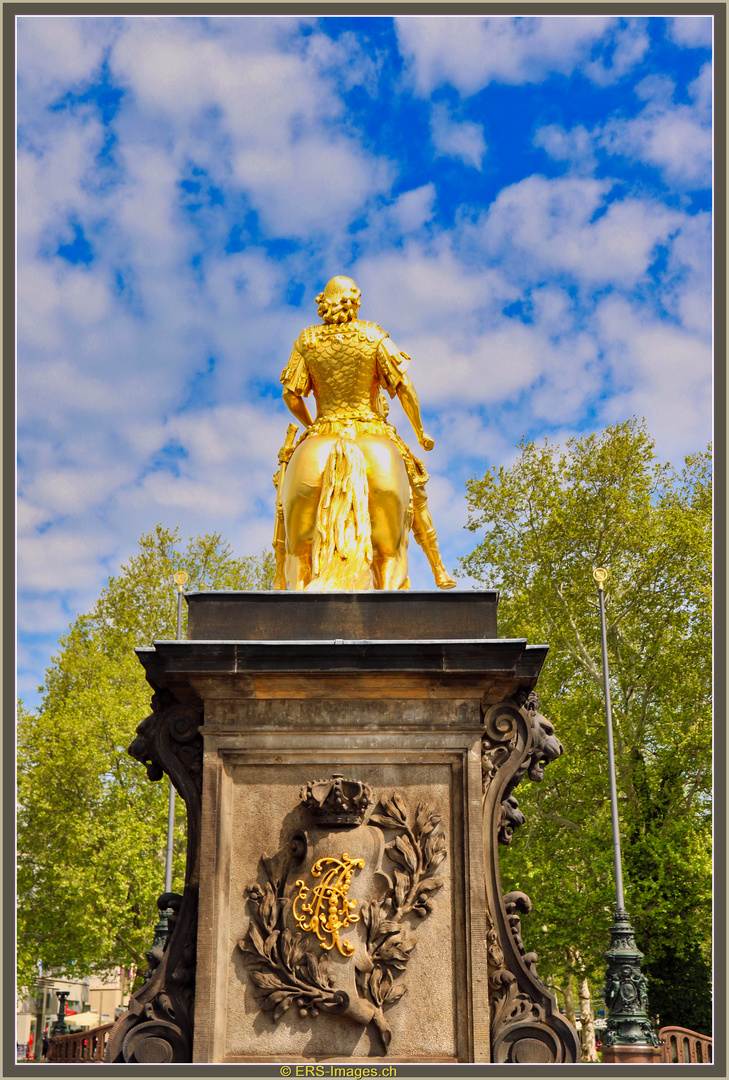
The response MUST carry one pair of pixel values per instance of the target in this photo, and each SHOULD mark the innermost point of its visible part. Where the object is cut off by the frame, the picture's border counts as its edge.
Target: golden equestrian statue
(349, 490)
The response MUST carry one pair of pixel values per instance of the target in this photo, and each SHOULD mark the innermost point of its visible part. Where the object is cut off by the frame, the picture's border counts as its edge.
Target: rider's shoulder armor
(357, 329)
(368, 331)
(307, 338)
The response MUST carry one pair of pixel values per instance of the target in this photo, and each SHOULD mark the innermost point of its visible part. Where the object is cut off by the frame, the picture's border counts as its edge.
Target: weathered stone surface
(262, 804)
(253, 781)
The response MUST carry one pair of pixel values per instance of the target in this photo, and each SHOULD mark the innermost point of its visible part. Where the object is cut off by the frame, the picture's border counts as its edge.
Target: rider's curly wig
(339, 309)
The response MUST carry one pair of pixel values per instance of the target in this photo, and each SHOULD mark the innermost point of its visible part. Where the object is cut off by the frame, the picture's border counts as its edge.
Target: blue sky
(525, 203)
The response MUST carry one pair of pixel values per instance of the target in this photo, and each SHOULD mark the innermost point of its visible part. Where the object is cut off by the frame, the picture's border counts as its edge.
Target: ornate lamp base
(630, 1036)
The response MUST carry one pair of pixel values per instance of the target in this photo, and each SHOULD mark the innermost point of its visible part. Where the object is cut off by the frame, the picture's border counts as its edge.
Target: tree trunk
(568, 994)
(587, 1020)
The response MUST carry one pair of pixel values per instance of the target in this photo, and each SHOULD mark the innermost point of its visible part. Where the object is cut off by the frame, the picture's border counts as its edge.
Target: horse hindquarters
(389, 507)
(346, 511)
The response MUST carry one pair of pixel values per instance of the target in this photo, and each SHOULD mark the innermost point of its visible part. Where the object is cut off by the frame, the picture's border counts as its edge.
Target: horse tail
(341, 556)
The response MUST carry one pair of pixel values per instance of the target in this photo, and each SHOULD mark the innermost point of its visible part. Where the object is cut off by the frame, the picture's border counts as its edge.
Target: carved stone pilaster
(159, 1025)
(526, 1026)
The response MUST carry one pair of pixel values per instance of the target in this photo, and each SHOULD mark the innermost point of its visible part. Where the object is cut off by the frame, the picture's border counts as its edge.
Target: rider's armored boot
(442, 578)
(425, 534)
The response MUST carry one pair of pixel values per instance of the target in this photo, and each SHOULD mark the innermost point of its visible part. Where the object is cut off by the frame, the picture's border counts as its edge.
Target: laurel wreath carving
(287, 973)
(284, 970)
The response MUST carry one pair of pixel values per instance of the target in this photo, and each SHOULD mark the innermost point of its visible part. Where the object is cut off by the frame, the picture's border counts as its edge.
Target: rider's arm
(392, 364)
(297, 406)
(411, 407)
(296, 386)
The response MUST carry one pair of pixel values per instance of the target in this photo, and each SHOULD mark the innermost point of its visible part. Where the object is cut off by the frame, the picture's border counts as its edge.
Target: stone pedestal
(348, 762)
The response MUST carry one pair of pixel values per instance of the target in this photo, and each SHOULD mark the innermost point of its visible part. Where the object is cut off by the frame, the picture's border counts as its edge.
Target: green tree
(544, 524)
(91, 828)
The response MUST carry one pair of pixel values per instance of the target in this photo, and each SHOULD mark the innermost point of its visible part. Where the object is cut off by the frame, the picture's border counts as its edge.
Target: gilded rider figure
(350, 459)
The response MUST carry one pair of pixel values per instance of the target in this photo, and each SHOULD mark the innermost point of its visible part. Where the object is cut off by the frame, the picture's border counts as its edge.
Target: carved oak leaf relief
(292, 946)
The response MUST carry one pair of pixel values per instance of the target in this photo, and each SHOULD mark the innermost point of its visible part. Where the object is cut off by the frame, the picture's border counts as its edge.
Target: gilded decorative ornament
(329, 910)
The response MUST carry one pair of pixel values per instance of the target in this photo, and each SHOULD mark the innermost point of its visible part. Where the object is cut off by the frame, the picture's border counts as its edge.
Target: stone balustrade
(681, 1046)
(80, 1046)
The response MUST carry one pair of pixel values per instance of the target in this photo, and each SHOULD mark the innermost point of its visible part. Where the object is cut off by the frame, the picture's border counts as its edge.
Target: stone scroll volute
(158, 1027)
(526, 1026)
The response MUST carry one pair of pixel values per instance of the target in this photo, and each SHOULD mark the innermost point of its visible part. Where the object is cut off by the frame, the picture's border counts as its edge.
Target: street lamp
(60, 1027)
(629, 1036)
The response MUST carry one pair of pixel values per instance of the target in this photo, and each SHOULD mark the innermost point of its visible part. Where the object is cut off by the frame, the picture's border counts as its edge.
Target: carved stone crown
(337, 801)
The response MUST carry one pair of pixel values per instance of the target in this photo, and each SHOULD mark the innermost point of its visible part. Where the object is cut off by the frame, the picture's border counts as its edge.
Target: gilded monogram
(329, 910)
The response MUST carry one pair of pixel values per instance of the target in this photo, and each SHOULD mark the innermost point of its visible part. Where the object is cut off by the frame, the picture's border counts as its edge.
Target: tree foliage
(91, 827)
(544, 524)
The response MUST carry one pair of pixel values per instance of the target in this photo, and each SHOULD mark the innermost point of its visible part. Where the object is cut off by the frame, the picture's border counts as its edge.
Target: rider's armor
(347, 366)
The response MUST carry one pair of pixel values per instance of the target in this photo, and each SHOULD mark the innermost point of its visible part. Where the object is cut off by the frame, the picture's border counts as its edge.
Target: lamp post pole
(629, 1036)
(600, 575)
(162, 928)
(180, 580)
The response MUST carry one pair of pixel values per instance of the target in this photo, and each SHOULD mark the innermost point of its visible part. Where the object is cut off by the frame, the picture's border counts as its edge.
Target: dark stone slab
(504, 656)
(354, 616)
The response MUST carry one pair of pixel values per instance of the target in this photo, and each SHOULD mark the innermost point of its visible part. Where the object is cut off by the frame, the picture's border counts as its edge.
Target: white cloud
(688, 286)
(56, 389)
(35, 616)
(465, 433)
(28, 517)
(461, 139)
(504, 361)
(72, 490)
(228, 435)
(575, 146)
(664, 374)
(174, 493)
(429, 289)
(270, 125)
(675, 138)
(690, 31)
(63, 559)
(701, 91)
(57, 54)
(550, 355)
(346, 59)
(566, 225)
(324, 182)
(468, 53)
(408, 213)
(625, 47)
